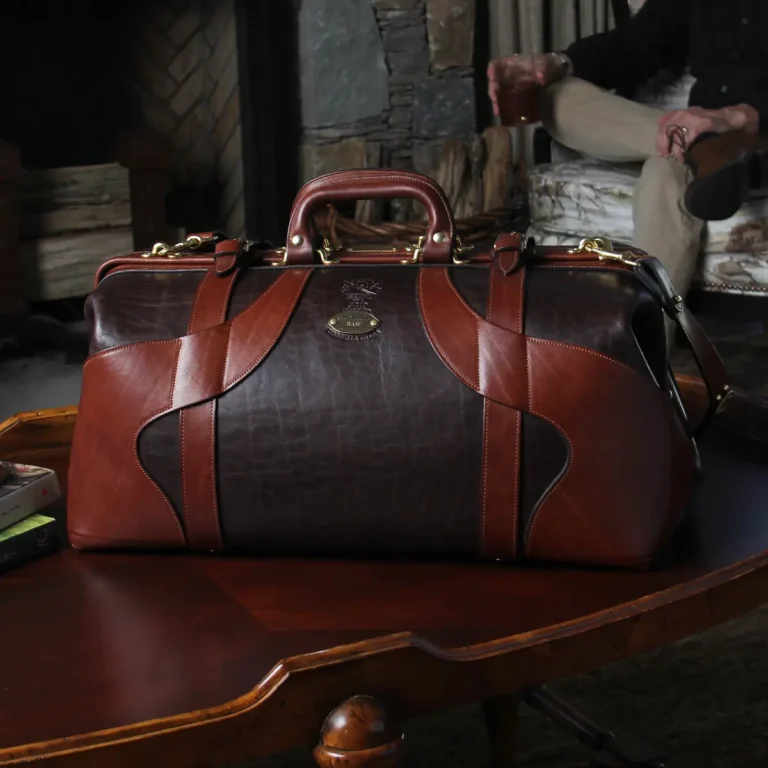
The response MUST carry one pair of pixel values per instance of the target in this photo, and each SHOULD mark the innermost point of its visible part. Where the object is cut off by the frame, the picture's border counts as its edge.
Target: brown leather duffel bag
(511, 401)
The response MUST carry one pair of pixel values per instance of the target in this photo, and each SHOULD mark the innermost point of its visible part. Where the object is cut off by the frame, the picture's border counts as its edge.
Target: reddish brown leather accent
(211, 301)
(156, 388)
(608, 507)
(590, 399)
(197, 425)
(507, 251)
(501, 432)
(202, 359)
(486, 357)
(353, 185)
(101, 443)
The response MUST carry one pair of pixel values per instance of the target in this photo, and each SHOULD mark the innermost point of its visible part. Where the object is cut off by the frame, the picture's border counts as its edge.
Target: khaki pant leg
(662, 225)
(591, 120)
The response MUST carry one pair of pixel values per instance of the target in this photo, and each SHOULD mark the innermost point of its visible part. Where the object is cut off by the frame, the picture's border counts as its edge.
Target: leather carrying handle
(372, 184)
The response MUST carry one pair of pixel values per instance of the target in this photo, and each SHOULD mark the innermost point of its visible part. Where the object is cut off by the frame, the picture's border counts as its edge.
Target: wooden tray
(189, 660)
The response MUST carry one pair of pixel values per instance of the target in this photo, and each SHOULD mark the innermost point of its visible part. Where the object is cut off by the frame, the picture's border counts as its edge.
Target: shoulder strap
(707, 359)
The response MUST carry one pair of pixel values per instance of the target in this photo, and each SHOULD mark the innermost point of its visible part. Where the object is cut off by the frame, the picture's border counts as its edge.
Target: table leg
(359, 734)
(501, 715)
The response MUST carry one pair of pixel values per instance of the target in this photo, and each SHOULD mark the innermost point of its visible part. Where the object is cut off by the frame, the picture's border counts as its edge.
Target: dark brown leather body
(382, 444)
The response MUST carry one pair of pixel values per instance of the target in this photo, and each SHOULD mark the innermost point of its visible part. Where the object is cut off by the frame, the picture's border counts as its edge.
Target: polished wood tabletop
(144, 656)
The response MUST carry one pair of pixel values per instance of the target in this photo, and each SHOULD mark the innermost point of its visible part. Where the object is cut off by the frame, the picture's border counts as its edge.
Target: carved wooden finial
(359, 734)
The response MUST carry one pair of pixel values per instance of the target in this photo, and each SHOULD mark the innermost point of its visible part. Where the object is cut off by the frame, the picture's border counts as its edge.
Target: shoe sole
(719, 196)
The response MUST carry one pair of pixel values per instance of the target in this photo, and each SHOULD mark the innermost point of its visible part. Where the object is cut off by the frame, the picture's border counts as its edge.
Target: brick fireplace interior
(76, 75)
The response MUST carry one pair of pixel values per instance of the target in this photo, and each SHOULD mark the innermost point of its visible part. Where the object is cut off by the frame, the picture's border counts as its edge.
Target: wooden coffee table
(176, 660)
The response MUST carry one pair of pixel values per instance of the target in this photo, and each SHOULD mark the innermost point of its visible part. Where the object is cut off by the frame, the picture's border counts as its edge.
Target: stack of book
(26, 528)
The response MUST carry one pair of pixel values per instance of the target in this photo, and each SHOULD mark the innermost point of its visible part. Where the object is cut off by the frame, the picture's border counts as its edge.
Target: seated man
(699, 162)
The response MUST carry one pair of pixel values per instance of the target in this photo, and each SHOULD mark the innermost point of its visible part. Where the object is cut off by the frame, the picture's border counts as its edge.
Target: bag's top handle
(371, 184)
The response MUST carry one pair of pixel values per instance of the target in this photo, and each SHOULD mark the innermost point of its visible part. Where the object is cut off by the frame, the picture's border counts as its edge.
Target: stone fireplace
(340, 83)
(254, 97)
(383, 81)
(388, 83)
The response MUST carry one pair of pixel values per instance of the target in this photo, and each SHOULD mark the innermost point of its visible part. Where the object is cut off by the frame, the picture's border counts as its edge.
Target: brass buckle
(602, 247)
(192, 243)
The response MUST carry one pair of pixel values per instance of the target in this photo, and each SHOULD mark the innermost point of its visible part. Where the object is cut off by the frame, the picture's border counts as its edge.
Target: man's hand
(541, 68)
(694, 121)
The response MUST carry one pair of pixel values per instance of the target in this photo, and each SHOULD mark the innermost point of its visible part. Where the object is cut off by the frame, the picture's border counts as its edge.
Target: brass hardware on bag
(192, 243)
(602, 247)
(459, 250)
(372, 249)
(415, 251)
(353, 322)
(326, 251)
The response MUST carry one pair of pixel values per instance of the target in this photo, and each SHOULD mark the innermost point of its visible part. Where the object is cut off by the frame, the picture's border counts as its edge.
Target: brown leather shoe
(726, 166)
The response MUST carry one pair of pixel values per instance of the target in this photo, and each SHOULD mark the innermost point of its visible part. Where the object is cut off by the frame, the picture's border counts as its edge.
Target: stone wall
(384, 82)
(185, 72)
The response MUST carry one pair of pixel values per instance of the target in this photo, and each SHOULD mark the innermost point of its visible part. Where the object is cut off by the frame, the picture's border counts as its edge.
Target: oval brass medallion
(353, 322)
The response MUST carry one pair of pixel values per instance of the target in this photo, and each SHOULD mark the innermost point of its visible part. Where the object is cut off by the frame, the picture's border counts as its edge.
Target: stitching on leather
(477, 352)
(435, 343)
(251, 308)
(276, 336)
(535, 516)
(519, 419)
(146, 474)
(196, 305)
(516, 496)
(463, 303)
(486, 436)
(601, 265)
(527, 375)
(214, 496)
(184, 413)
(105, 352)
(185, 497)
(211, 413)
(228, 296)
(184, 493)
(584, 349)
(486, 403)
